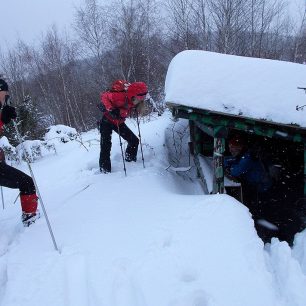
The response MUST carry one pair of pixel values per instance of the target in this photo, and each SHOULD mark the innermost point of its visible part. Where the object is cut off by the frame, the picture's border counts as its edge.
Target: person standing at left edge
(11, 177)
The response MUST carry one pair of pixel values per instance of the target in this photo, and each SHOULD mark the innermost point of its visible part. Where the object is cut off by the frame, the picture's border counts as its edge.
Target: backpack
(120, 86)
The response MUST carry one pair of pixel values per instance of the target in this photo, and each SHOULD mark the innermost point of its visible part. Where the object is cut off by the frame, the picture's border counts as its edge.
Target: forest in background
(59, 80)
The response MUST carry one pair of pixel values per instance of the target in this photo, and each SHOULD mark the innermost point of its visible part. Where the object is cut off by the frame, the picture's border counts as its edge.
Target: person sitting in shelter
(243, 167)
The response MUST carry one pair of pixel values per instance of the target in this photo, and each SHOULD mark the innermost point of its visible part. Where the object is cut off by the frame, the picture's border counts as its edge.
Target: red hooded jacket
(122, 101)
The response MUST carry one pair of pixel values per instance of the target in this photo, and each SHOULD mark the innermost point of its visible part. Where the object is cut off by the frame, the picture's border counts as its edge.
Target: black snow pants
(106, 129)
(13, 178)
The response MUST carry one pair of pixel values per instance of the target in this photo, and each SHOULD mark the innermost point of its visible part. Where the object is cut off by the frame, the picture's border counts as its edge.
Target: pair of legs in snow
(106, 129)
(13, 178)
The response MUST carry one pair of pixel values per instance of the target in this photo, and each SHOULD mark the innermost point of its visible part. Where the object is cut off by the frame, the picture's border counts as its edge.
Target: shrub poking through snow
(61, 132)
(10, 152)
(34, 149)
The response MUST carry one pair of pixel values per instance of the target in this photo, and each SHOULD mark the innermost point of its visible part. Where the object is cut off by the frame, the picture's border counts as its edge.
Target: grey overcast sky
(27, 19)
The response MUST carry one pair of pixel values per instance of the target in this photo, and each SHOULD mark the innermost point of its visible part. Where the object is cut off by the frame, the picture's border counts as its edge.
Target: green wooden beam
(258, 127)
(215, 131)
(197, 144)
(205, 128)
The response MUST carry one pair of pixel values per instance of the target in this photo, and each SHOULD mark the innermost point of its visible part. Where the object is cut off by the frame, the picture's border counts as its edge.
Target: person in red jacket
(11, 177)
(117, 104)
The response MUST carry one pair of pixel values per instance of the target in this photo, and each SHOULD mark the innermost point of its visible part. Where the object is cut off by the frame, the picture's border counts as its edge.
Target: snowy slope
(251, 87)
(139, 240)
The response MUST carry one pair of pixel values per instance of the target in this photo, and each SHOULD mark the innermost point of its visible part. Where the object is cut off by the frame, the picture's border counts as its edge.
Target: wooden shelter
(206, 123)
(214, 116)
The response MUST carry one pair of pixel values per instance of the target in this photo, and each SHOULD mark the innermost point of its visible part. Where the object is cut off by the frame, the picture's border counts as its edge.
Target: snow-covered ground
(147, 239)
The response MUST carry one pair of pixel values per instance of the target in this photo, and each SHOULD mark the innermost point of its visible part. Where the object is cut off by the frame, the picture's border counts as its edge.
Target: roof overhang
(214, 120)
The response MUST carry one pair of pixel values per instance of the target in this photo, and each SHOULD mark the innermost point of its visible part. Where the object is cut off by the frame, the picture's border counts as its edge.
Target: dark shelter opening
(277, 211)
(280, 211)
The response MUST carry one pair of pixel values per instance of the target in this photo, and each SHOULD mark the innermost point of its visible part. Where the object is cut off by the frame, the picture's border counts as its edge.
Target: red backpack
(120, 86)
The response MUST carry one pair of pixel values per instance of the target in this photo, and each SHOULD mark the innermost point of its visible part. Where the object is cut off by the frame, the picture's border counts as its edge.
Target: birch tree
(91, 25)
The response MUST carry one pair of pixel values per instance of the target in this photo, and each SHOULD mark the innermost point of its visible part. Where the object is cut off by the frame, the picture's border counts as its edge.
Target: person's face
(3, 93)
(138, 99)
(235, 150)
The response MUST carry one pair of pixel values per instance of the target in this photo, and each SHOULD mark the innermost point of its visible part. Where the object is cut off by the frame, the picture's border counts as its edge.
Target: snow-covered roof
(250, 87)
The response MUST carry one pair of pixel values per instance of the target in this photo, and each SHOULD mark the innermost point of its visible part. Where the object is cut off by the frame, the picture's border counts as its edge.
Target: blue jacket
(248, 169)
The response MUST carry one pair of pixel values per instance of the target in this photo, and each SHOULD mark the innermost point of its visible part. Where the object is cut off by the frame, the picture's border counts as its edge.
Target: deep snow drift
(150, 238)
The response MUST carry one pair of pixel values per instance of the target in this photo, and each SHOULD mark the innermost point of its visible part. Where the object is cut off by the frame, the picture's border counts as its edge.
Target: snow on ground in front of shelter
(145, 239)
(250, 87)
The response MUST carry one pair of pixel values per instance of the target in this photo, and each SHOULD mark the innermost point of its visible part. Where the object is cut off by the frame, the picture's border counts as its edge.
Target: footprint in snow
(189, 275)
(125, 290)
(195, 298)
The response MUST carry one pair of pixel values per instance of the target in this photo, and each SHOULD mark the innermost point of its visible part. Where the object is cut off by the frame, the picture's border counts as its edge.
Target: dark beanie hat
(3, 85)
(237, 141)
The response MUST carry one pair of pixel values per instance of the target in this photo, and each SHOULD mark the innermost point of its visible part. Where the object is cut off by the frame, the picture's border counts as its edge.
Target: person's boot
(105, 165)
(105, 171)
(130, 158)
(29, 218)
(29, 209)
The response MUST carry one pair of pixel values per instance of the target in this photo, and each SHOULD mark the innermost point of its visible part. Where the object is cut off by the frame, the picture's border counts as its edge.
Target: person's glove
(227, 173)
(8, 113)
(101, 107)
(115, 113)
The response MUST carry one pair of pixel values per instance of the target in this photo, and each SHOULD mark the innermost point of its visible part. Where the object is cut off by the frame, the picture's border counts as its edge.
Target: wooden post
(195, 138)
(219, 146)
(304, 170)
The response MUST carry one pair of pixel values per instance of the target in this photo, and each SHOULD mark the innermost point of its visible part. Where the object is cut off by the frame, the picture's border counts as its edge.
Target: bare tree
(267, 24)
(299, 47)
(58, 62)
(228, 23)
(91, 25)
(129, 37)
(202, 23)
(181, 25)
(17, 70)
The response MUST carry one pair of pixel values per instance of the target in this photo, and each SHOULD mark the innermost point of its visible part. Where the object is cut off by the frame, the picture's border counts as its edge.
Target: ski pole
(36, 187)
(16, 198)
(139, 135)
(2, 197)
(120, 141)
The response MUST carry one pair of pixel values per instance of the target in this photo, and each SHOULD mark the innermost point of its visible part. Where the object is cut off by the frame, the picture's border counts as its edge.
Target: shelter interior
(282, 212)
(285, 206)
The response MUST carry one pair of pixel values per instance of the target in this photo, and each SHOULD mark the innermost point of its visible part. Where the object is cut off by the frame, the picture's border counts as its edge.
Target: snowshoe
(129, 158)
(105, 171)
(29, 218)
